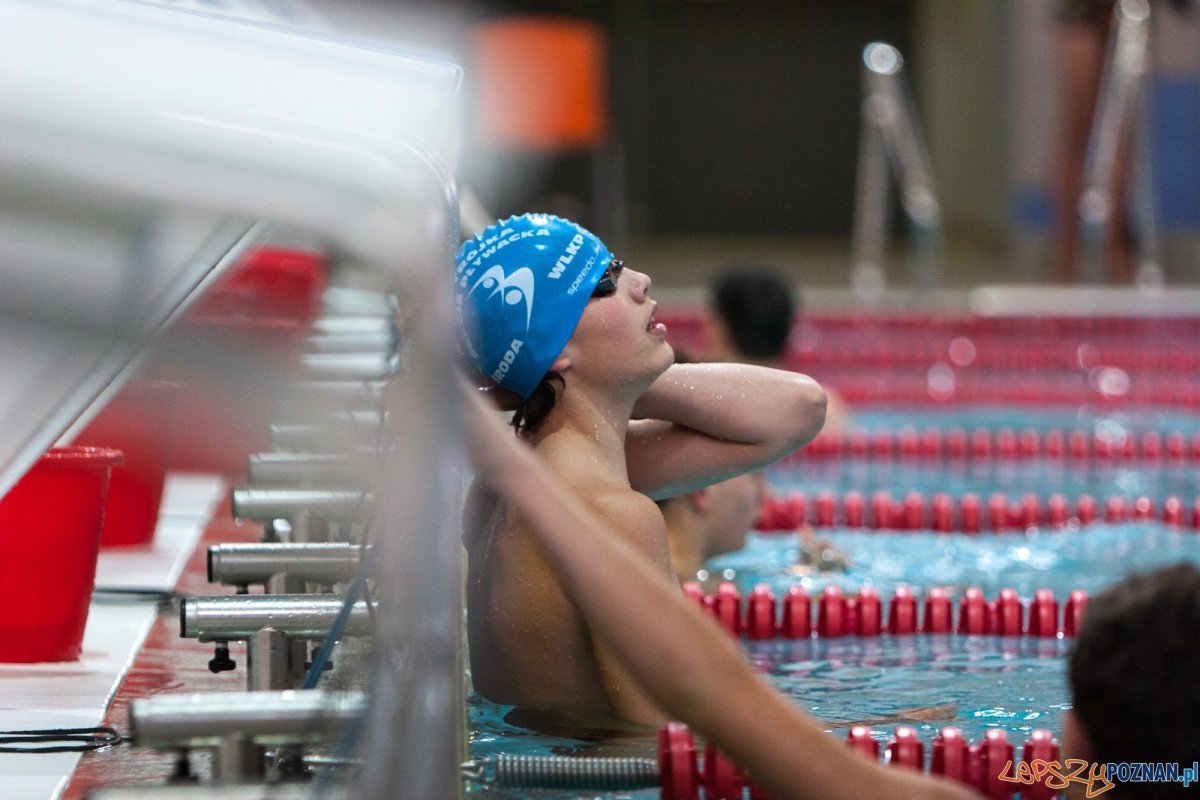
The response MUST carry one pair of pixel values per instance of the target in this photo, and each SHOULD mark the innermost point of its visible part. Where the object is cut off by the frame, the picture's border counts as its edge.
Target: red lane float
(1004, 444)
(1043, 614)
(796, 622)
(760, 613)
(981, 765)
(938, 616)
(861, 740)
(945, 514)
(948, 755)
(831, 613)
(902, 613)
(863, 614)
(1040, 746)
(906, 749)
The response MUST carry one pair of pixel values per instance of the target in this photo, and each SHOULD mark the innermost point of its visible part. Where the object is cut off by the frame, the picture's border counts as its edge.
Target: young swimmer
(711, 521)
(752, 308)
(567, 333)
(1134, 682)
(634, 610)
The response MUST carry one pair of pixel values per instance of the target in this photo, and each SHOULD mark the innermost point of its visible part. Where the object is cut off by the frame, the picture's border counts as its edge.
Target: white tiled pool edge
(77, 694)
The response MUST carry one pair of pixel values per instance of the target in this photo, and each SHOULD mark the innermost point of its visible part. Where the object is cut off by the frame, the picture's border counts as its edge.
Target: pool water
(1041, 476)
(1013, 477)
(1089, 558)
(1017, 684)
(1039, 418)
(929, 682)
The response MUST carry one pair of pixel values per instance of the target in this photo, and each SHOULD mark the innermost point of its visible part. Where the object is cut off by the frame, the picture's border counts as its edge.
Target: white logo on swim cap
(568, 255)
(513, 289)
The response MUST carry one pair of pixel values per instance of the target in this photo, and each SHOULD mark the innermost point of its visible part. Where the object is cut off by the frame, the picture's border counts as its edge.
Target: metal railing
(211, 124)
(891, 149)
(1118, 126)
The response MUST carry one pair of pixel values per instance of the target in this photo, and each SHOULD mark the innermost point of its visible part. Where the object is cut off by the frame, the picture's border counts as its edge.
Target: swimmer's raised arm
(701, 423)
(687, 665)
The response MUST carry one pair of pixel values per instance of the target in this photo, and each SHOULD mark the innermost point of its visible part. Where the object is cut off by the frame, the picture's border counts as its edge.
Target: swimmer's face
(733, 506)
(618, 341)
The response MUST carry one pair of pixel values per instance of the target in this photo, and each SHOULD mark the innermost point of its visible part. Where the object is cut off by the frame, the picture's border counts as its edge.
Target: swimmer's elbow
(808, 404)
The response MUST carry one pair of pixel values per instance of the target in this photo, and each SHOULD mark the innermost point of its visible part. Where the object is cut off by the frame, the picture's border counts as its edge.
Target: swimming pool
(929, 681)
(1089, 558)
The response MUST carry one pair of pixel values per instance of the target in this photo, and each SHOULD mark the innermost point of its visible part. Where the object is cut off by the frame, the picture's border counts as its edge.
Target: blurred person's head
(541, 301)
(1135, 677)
(751, 308)
(711, 521)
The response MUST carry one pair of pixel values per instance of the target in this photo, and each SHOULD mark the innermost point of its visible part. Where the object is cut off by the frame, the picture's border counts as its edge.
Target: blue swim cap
(520, 288)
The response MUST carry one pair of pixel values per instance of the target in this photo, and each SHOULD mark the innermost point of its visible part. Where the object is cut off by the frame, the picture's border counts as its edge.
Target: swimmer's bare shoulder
(632, 518)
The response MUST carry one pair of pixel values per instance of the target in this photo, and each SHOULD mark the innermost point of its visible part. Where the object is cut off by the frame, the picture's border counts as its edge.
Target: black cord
(74, 740)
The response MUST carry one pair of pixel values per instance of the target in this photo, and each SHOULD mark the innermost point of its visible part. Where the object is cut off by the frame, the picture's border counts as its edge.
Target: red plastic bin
(139, 421)
(256, 315)
(275, 282)
(49, 540)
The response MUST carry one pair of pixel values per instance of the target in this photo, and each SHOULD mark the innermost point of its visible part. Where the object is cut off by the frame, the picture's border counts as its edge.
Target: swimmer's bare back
(612, 449)
(529, 645)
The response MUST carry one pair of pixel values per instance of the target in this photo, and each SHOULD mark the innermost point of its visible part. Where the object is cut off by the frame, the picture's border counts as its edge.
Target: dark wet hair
(756, 303)
(1135, 674)
(531, 412)
(528, 413)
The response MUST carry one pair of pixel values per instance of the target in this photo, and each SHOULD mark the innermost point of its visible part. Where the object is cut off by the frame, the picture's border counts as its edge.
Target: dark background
(729, 117)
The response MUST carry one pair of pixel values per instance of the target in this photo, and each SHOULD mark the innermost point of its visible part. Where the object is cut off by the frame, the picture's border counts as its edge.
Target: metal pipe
(253, 791)
(348, 366)
(1120, 92)
(891, 137)
(340, 393)
(417, 700)
(329, 438)
(291, 469)
(355, 302)
(305, 528)
(238, 617)
(364, 183)
(336, 418)
(262, 505)
(872, 185)
(367, 344)
(308, 400)
(370, 325)
(269, 662)
(238, 759)
(282, 583)
(241, 564)
(266, 718)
